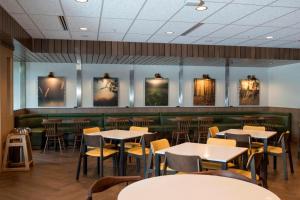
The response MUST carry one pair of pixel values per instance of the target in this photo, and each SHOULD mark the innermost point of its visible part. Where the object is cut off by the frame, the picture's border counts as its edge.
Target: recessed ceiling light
(169, 32)
(201, 6)
(82, 1)
(83, 28)
(269, 37)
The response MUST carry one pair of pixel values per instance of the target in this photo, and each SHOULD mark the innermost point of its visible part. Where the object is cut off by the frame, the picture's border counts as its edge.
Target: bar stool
(18, 140)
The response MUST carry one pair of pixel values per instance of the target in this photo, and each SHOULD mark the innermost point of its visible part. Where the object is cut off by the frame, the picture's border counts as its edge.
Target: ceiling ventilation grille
(63, 22)
(192, 29)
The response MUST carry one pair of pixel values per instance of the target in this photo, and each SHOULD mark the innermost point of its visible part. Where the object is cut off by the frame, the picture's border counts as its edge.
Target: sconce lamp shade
(106, 76)
(158, 76)
(51, 75)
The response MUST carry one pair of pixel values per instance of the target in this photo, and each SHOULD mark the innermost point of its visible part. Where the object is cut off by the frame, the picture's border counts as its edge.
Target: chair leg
(187, 137)
(75, 141)
(274, 162)
(285, 166)
(78, 167)
(46, 145)
(172, 138)
(98, 166)
(177, 138)
(145, 165)
(59, 143)
(138, 165)
(114, 165)
(291, 161)
(101, 167)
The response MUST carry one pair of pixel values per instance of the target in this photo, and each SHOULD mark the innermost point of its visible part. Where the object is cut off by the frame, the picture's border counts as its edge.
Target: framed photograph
(204, 92)
(106, 91)
(51, 92)
(249, 92)
(156, 92)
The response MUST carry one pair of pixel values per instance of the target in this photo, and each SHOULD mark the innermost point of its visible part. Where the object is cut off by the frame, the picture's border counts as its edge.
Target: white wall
(284, 86)
(17, 85)
(89, 71)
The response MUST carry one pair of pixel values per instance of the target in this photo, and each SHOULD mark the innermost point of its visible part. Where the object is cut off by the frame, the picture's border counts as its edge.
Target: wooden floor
(53, 177)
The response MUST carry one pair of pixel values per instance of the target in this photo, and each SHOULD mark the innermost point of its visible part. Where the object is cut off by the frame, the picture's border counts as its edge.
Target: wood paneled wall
(11, 28)
(6, 96)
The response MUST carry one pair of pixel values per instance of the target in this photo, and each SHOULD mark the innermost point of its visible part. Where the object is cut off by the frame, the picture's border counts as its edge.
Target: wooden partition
(6, 96)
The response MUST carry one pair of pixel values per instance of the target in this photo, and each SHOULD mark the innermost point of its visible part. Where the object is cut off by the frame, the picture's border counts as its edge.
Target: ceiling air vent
(192, 29)
(63, 22)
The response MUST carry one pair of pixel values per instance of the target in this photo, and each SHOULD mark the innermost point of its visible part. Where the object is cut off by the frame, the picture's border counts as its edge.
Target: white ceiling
(226, 22)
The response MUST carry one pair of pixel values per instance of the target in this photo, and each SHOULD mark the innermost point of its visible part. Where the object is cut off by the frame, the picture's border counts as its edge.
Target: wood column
(6, 96)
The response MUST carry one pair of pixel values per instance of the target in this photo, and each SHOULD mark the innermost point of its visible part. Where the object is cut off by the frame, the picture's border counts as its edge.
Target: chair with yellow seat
(141, 152)
(255, 145)
(212, 132)
(283, 149)
(92, 130)
(219, 142)
(253, 166)
(94, 146)
(134, 143)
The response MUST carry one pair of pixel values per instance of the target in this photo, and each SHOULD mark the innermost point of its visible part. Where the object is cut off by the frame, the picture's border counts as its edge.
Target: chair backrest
(117, 123)
(159, 145)
(226, 173)
(51, 126)
(139, 121)
(242, 140)
(79, 125)
(284, 141)
(213, 131)
(107, 182)
(182, 163)
(222, 142)
(91, 130)
(183, 123)
(254, 163)
(138, 128)
(93, 141)
(254, 128)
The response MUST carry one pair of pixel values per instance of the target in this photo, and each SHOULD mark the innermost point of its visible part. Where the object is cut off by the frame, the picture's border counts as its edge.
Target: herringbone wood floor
(53, 177)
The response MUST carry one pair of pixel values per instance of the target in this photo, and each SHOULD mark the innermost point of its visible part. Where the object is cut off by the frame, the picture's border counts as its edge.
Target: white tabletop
(209, 152)
(120, 134)
(194, 187)
(253, 133)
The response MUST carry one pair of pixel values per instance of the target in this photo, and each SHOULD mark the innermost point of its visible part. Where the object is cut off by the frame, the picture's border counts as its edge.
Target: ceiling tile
(283, 33)
(84, 35)
(274, 43)
(90, 9)
(189, 14)
(209, 40)
(256, 31)
(287, 3)
(264, 15)
(47, 22)
(287, 20)
(176, 27)
(229, 31)
(295, 37)
(231, 13)
(75, 23)
(121, 9)
(145, 26)
(111, 36)
(136, 37)
(160, 9)
(254, 42)
(231, 41)
(291, 45)
(24, 20)
(204, 30)
(56, 34)
(11, 6)
(161, 38)
(184, 40)
(260, 2)
(49, 7)
(34, 33)
(114, 25)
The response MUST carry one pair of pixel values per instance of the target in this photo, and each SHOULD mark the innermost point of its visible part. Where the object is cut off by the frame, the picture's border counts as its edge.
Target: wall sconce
(51, 75)
(251, 77)
(158, 76)
(106, 76)
(206, 76)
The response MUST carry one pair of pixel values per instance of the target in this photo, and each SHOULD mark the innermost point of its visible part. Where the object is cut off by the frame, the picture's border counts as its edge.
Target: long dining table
(207, 152)
(264, 136)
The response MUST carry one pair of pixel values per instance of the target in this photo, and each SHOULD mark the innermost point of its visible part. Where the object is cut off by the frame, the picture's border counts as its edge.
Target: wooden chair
(219, 142)
(79, 125)
(141, 152)
(253, 166)
(203, 124)
(226, 173)
(141, 121)
(182, 163)
(94, 146)
(107, 182)
(283, 149)
(118, 123)
(212, 131)
(134, 143)
(182, 130)
(242, 140)
(53, 133)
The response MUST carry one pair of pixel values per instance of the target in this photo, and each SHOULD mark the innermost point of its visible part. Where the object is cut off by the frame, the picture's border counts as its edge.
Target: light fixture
(206, 76)
(51, 75)
(251, 77)
(158, 76)
(83, 28)
(201, 6)
(106, 76)
(169, 32)
(269, 37)
(82, 1)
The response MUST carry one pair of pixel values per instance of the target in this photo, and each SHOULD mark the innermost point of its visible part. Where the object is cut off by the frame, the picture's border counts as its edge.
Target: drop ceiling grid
(148, 20)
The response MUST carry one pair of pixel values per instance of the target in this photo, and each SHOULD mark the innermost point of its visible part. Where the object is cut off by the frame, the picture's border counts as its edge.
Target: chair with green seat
(141, 152)
(212, 132)
(283, 149)
(94, 146)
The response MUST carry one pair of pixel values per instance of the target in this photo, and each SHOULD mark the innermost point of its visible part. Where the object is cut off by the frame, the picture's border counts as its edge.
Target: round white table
(194, 187)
